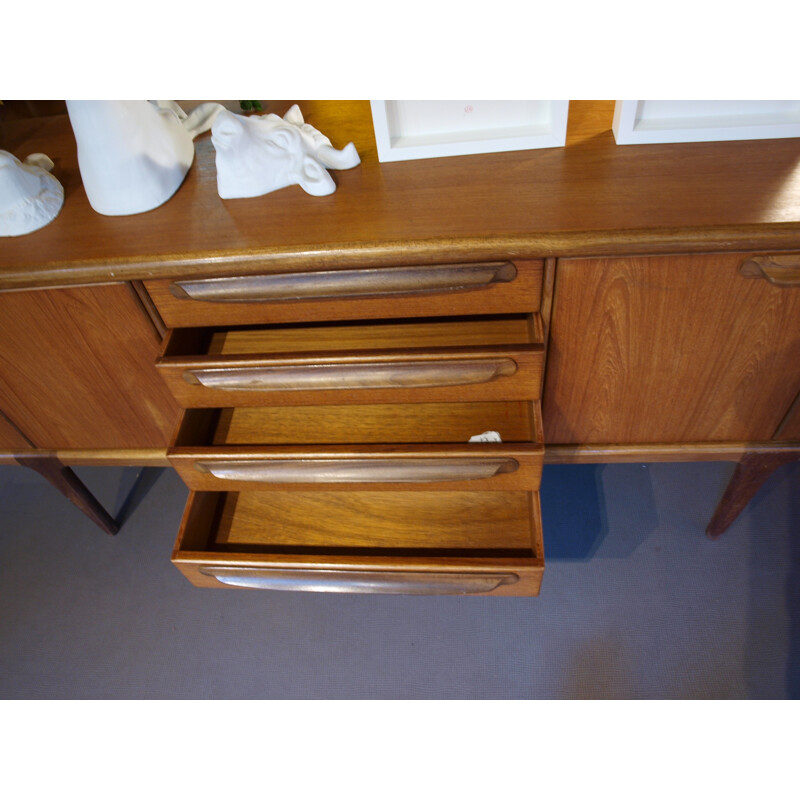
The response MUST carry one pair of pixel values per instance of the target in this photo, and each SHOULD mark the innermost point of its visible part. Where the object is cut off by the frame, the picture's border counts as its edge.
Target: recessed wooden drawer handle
(783, 271)
(341, 284)
(375, 375)
(359, 470)
(335, 580)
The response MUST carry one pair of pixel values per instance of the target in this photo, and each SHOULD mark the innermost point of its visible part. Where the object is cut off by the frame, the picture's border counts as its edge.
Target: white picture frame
(668, 121)
(413, 129)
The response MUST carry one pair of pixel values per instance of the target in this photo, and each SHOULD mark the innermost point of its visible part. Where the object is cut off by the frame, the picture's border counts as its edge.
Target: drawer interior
(430, 524)
(507, 329)
(389, 423)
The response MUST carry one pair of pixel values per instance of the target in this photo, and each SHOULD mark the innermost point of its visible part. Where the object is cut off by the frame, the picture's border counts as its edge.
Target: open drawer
(422, 446)
(366, 293)
(369, 542)
(399, 361)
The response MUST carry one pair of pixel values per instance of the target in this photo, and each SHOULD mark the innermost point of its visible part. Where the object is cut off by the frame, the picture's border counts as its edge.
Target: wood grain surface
(65, 480)
(669, 349)
(11, 437)
(749, 476)
(789, 431)
(408, 467)
(405, 334)
(405, 520)
(674, 453)
(590, 197)
(389, 423)
(76, 369)
(415, 376)
(377, 529)
(521, 294)
(414, 361)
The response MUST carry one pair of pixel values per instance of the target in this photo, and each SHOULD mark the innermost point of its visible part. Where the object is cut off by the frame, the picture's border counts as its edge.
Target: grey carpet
(636, 603)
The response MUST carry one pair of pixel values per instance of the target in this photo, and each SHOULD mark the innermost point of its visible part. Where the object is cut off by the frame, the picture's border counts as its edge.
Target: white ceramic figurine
(134, 154)
(30, 196)
(260, 154)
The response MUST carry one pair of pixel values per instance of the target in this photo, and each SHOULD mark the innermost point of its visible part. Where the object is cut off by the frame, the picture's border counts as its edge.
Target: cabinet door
(669, 349)
(77, 369)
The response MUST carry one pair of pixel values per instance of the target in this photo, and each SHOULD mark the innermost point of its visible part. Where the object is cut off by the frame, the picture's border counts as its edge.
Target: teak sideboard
(314, 368)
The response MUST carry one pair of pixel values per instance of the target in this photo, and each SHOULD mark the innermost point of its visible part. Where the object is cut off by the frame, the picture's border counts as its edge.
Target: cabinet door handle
(360, 581)
(374, 375)
(359, 470)
(783, 271)
(342, 284)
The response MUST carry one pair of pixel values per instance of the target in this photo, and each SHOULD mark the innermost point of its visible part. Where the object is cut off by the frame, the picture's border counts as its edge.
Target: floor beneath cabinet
(635, 603)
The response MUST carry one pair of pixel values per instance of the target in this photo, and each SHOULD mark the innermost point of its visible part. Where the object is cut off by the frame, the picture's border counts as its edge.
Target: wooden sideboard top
(590, 197)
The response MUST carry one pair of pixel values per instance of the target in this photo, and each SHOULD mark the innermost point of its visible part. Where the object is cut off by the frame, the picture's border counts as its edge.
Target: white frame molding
(394, 145)
(754, 119)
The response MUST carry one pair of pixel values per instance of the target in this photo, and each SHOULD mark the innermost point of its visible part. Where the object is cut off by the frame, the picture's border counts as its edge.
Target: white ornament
(134, 154)
(259, 154)
(30, 196)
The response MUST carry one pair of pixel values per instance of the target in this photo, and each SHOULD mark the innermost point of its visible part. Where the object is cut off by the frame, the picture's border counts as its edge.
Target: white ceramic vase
(134, 154)
(30, 197)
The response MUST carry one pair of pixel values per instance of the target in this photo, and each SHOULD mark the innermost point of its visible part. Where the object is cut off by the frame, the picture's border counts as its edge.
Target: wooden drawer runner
(408, 361)
(493, 288)
(378, 542)
(416, 446)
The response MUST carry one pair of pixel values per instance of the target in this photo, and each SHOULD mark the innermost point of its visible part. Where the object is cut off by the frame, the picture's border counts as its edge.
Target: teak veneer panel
(520, 294)
(416, 362)
(669, 349)
(382, 533)
(590, 197)
(10, 436)
(396, 520)
(482, 467)
(76, 369)
(377, 424)
(373, 336)
(790, 429)
(416, 450)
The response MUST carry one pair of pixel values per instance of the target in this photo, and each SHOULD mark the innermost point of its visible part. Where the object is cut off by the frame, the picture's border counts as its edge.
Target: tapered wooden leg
(748, 477)
(71, 486)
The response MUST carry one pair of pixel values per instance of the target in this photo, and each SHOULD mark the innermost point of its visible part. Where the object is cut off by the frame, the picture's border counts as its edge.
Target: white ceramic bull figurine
(260, 154)
(30, 196)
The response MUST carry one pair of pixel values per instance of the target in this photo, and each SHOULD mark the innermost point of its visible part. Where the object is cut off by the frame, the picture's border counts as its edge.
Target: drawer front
(370, 581)
(407, 360)
(508, 373)
(467, 543)
(418, 446)
(480, 467)
(492, 288)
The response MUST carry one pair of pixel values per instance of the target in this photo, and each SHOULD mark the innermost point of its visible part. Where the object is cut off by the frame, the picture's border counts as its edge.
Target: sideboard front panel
(76, 369)
(669, 349)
